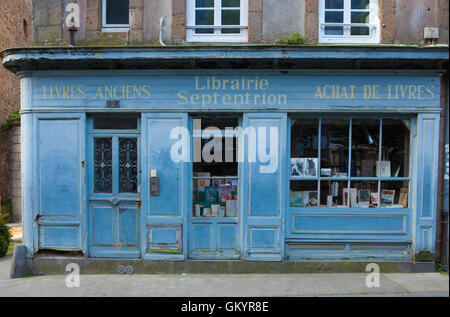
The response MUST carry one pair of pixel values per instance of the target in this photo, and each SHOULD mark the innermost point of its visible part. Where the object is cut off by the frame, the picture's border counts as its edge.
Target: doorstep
(49, 265)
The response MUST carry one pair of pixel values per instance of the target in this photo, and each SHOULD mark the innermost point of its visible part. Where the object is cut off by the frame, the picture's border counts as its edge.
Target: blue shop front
(244, 153)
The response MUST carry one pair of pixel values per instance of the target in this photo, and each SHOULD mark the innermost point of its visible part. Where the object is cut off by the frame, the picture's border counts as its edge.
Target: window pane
(360, 4)
(395, 155)
(115, 123)
(204, 17)
(360, 17)
(334, 30)
(204, 31)
(214, 197)
(334, 4)
(394, 194)
(204, 3)
(128, 154)
(332, 194)
(334, 17)
(231, 31)
(364, 194)
(215, 168)
(117, 11)
(359, 30)
(365, 146)
(303, 194)
(231, 17)
(304, 147)
(231, 3)
(335, 137)
(102, 165)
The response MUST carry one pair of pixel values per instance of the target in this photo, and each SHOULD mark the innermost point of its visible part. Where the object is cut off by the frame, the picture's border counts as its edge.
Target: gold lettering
(352, 89)
(344, 93)
(226, 99)
(81, 91)
(430, 92)
(264, 84)
(197, 87)
(182, 97)
(375, 92)
(43, 92)
(99, 93)
(234, 84)
(66, 92)
(318, 93)
(412, 92)
(145, 89)
(109, 92)
(115, 92)
(194, 98)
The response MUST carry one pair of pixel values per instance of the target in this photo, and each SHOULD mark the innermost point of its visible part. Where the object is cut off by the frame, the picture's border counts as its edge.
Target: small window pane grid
(115, 15)
(103, 165)
(348, 21)
(379, 166)
(227, 18)
(128, 165)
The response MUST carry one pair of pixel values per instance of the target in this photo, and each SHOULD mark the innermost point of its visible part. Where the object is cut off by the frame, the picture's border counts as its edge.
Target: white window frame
(112, 27)
(346, 38)
(217, 36)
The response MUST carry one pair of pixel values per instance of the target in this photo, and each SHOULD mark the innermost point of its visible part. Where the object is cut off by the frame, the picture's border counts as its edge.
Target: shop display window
(362, 162)
(303, 194)
(215, 168)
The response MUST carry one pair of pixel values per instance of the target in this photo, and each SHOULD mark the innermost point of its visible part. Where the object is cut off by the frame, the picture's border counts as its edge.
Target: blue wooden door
(59, 211)
(114, 193)
(166, 154)
(263, 187)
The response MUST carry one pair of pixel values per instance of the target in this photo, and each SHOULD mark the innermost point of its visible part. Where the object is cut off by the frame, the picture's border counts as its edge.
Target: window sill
(115, 29)
(352, 41)
(216, 40)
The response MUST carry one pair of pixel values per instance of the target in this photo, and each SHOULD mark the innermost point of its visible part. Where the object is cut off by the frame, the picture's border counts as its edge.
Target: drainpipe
(446, 178)
(72, 31)
(161, 27)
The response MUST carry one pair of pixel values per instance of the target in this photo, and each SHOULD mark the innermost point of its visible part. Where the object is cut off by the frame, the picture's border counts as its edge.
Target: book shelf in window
(371, 173)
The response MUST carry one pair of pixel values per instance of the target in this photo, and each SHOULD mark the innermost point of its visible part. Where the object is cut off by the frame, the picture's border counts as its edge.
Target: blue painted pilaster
(426, 172)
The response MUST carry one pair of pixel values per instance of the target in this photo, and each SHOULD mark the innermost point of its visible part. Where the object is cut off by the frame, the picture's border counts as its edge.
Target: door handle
(114, 201)
(36, 219)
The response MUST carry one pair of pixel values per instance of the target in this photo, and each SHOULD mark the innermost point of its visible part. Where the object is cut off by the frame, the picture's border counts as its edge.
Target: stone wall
(16, 30)
(312, 20)
(10, 167)
(13, 186)
(282, 18)
(402, 21)
(50, 28)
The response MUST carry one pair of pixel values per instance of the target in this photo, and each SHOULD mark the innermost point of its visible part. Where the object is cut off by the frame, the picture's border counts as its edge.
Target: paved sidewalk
(252, 285)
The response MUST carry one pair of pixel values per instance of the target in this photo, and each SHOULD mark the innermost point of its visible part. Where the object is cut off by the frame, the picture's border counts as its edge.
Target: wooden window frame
(217, 36)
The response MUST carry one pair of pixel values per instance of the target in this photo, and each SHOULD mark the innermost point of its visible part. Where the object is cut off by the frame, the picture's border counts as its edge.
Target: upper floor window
(115, 15)
(217, 21)
(349, 21)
